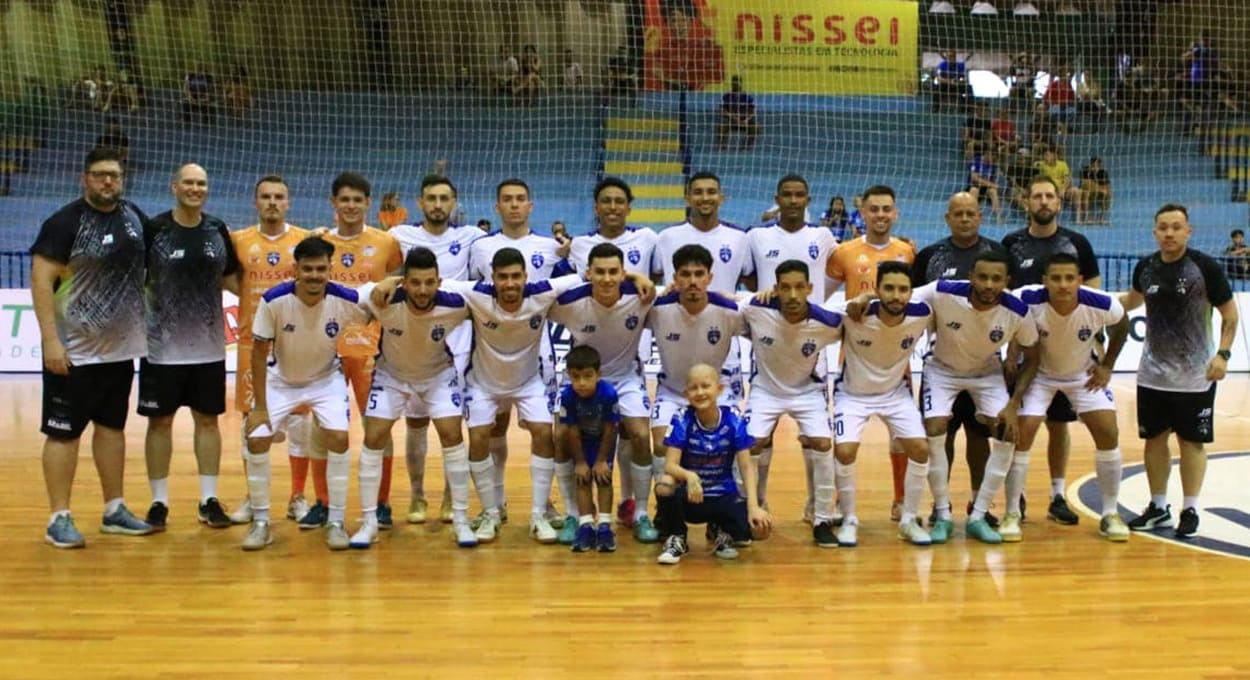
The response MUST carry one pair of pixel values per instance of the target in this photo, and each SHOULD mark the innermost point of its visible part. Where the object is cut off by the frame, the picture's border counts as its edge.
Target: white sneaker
(912, 532)
(541, 531)
(336, 536)
(258, 536)
(848, 533)
(365, 536)
(465, 538)
(1009, 528)
(444, 511)
(487, 528)
(1113, 528)
(297, 507)
(243, 513)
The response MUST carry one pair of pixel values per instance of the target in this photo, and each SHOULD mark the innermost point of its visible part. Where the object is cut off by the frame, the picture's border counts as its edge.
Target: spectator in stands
(1019, 174)
(559, 231)
(983, 181)
(115, 138)
(391, 213)
(976, 132)
(1237, 256)
(507, 72)
(1090, 106)
(950, 82)
(1057, 171)
(1060, 98)
(1201, 65)
(197, 95)
(688, 56)
(1023, 75)
(1139, 100)
(1096, 190)
(856, 220)
(1043, 131)
(622, 77)
(484, 225)
(87, 89)
(530, 81)
(837, 219)
(108, 90)
(237, 91)
(737, 116)
(1003, 133)
(126, 96)
(574, 77)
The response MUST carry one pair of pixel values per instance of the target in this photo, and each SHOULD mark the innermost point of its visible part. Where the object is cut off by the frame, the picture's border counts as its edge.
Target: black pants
(727, 512)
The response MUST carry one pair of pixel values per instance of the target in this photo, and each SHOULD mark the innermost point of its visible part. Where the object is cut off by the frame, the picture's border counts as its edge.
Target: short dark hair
(313, 247)
(435, 180)
(98, 154)
(420, 257)
(702, 174)
(1172, 207)
(793, 177)
(506, 257)
(879, 190)
(351, 180)
(893, 267)
(788, 266)
(993, 256)
(483, 222)
(269, 179)
(614, 182)
(606, 250)
(692, 253)
(1236, 232)
(1062, 258)
(512, 182)
(582, 357)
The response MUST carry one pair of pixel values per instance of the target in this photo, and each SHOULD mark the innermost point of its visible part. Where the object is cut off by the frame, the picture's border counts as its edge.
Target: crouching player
(589, 412)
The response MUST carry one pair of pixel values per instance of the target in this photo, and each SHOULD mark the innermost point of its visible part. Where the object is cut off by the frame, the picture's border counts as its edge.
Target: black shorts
(729, 512)
(1188, 414)
(92, 393)
(165, 387)
(964, 414)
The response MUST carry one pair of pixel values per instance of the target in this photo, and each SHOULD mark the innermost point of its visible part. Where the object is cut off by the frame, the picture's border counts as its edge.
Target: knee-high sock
(996, 468)
(913, 489)
(1108, 464)
(416, 445)
(499, 454)
(568, 488)
(258, 484)
(456, 469)
(369, 477)
(762, 464)
(297, 451)
(625, 455)
(483, 473)
(338, 476)
(541, 472)
(657, 466)
(898, 467)
(808, 469)
(844, 477)
(1016, 476)
(939, 476)
(641, 476)
(823, 480)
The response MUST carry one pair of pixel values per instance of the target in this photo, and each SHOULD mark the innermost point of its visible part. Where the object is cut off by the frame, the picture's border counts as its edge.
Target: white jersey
(304, 337)
(451, 247)
(787, 354)
(539, 251)
(685, 340)
(876, 358)
(413, 346)
(812, 245)
(637, 243)
(1067, 342)
(967, 341)
(506, 345)
(612, 331)
(731, 254)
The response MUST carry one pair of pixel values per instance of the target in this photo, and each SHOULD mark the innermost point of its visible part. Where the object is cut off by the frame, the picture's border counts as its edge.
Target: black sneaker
(212, 514)
(158, 514)
(1188, 526)
(1060, 513)
(385, 516)
(316, 517)
(822, 533)
(1154, 517)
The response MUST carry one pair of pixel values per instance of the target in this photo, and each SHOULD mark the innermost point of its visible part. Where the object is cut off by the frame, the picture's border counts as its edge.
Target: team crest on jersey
(348, 259)
(536, 321)
(907, 342)
(809, 348)
(1084, 334)
(537, 260)
(713, 335)
(454, 248)
(332, 329)
(437, 333)
(634, 255)
(726, 253)
(631, 322)
(273, 259)
(997, 334)
(813, 250)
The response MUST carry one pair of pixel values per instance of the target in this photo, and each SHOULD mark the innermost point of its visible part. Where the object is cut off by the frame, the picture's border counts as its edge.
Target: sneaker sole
(1012, 538)
(826, 545)
(310, 527)
(385, 527)
(908, 539)
(606, 550)
(668, 562)
(1065, 522)
(1168, 523)
(1114, 538)
(219, 525)
(416, 519)
(339, 547)
(1189, 534)
(122, 531)
(465, 544)
(254, 548)
(544, 541)
(64, 546)
(359, 546)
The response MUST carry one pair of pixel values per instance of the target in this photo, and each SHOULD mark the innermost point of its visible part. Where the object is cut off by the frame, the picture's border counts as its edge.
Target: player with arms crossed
(589, 416)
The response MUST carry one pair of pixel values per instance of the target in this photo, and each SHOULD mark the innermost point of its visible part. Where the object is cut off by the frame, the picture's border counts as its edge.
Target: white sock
(585, 520)
(258, 473)
(1015, 480)
(913, 489)
(641, 475)
(996, 468)
(160, 490)
(762, 463)
(823, 478)
(605, 518)
(338, 477)
(416, 445)
(1108, 464)
(1189, 502)
(369, 478)
(844, 476)
(1160, 500)
(113, 504)
(499, 454)
(456, 468)
(657, 466)
(483, 473)
(297, 435)
(568, 487)
(208, 487)
(541, 472)
(625, 454)
(939, 471)
(1056, 486)
(58, 513)
(807, 468)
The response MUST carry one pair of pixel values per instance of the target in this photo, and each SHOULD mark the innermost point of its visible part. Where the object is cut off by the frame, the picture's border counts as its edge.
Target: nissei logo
(954, 325)
(863, 343)
(765, 340)
(673, 337)
(588, 328)
(289, 328)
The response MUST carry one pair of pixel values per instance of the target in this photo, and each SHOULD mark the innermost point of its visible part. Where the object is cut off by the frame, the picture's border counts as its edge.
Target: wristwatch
(1224, 354)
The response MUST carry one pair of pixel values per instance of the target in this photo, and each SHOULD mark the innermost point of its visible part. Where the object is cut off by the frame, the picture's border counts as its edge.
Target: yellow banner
(865, 47)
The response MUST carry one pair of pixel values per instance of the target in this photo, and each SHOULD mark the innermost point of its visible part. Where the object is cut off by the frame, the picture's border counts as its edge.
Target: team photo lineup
(450, 328)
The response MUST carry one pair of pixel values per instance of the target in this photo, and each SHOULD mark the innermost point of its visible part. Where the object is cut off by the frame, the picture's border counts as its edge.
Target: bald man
(190, 259)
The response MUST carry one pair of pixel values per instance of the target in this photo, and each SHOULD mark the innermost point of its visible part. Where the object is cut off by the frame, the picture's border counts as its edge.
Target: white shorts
(460, 342)
(549, 371)
(896, 409)
(1043, 388)
(810, 411)
(632, 398)
(482, 405)
(938, 389)
(327, 398)
(437, 397)
(668, 403)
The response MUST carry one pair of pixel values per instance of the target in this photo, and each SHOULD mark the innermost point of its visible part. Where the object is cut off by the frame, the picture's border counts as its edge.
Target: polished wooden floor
(190, 604)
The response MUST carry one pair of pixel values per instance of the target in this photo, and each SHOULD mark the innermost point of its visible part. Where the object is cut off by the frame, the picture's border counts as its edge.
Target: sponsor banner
(867, 47)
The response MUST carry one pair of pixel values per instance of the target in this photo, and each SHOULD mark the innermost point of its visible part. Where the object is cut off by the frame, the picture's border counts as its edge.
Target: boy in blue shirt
(703, 442)
(588, 409)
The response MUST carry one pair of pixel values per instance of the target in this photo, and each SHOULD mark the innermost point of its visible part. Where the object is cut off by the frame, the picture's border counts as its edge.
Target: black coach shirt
(1031, 254)
(946, 260)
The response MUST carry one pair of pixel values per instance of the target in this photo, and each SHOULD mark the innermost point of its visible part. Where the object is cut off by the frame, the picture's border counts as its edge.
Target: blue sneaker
(568, 532)
(585, 539)
(316, 517)
(123, 521)
(981, 530)
(605, 538)
(63, 534)
(644, 531)
(385, 521)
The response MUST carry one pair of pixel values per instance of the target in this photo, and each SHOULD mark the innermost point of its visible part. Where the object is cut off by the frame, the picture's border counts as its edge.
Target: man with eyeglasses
(86, 283)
